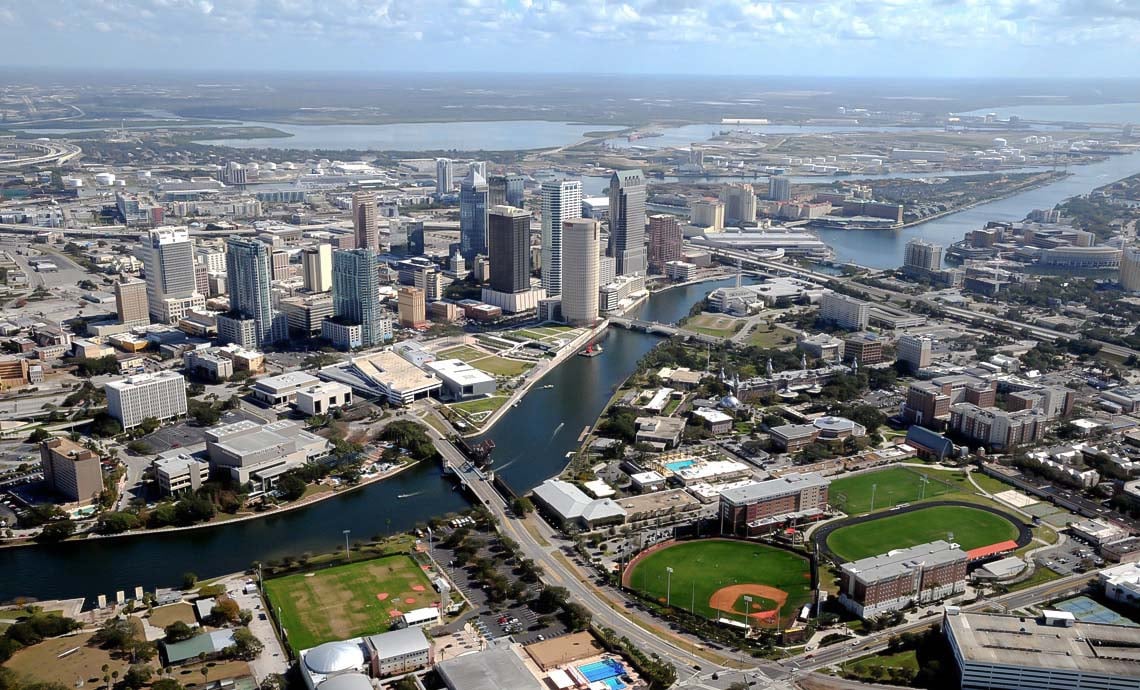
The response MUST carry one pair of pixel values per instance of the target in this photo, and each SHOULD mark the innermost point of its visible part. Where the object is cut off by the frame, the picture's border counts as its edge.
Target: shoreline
(295, 505)
(519, 393)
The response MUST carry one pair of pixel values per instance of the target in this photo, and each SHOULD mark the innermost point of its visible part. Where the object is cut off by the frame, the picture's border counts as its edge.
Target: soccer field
(969, 527)
(711, 577)
(892, 486)
(348, 600)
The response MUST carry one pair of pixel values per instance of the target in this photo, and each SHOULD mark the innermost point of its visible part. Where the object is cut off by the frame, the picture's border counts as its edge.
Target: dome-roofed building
(323, 662)
(347, 681)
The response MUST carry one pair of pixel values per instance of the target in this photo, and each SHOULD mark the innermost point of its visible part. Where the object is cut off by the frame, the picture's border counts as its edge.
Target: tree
(522, 505)
(166, 684)
(226, 610)
(104, 425)
(39, 434)
(116, 522)
(189, 580)
(178, 631)
(246, 645)
(137, 676)
(551, 598)
(290, 486)
(116, 633)
(56, 531)
(204, 414)
(578, 617)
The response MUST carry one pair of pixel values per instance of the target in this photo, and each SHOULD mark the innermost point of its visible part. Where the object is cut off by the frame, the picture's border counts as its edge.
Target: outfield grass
(971, 528)
(893, 486)
(349, 600)
(700, 568)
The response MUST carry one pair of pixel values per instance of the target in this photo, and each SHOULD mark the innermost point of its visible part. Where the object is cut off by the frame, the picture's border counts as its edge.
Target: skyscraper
(251, 321)
(479, 167)
(356, 292)
(413, 308)
(364, 220)
(168, 257)
(561, 201)
(473, 215)
(509, 239)
(506, 190)
(627, 221)
(779, 188)
(131, 302)
(739, 204)
(443, 180)
(317, 263)
(664, 241)
(581, 242)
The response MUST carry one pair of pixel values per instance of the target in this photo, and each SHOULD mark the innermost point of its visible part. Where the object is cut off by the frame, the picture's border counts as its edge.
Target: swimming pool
(604, 670)
(679, 465)
(614, 683)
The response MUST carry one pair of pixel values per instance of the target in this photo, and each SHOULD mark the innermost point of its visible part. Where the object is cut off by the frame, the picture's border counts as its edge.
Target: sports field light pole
(347, 555)
(668, 585)
(925, 480)
(873, 487)
(748, 616)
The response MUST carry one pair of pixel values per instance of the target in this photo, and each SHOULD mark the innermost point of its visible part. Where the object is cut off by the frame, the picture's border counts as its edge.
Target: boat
(592, 350)
(417, 493)
(548, 386)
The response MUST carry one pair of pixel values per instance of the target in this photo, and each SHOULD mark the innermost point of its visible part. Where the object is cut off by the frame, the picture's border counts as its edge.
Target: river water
(885, 248)
(532, 442)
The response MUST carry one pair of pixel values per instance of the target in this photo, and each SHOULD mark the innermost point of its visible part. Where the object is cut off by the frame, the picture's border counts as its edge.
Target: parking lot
(1071, 557)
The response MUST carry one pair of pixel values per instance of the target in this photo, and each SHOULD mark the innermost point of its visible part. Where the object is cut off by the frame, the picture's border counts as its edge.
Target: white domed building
(333, 659)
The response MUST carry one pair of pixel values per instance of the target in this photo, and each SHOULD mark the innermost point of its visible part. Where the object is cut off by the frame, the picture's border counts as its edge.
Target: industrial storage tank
(105, 178)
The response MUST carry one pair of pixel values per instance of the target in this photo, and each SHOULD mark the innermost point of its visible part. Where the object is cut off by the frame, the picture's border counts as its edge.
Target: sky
(903, 38)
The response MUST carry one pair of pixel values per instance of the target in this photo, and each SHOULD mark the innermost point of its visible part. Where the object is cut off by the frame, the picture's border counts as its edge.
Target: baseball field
(968, 527)
(349, 600)
(713, 577)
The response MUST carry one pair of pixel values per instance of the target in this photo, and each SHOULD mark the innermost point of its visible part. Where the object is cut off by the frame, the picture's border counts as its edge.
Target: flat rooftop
(986, 638)
(895, 563)
(759, 491)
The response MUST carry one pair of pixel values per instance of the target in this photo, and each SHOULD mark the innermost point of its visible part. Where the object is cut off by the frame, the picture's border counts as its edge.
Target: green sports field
(970, 528)
(735, 569)
(348, 600)
(893, 486)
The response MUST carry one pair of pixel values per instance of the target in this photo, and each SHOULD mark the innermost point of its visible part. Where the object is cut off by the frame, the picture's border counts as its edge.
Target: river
(532, 442)
(885, 248)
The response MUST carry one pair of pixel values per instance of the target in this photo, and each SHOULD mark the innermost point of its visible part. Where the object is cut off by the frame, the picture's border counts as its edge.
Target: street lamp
(347, 555)
(668, 585)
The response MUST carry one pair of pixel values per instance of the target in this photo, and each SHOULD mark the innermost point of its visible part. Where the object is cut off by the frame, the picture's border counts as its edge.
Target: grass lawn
(714, 324)
(700, 568)
(41, 662)
(971, 528)
(861, 668)
(1039, 577)
(763, 336)
(348, 600)
(480, 405)
(492, 364)
(988, 483)
(893, 486)
(165, 615)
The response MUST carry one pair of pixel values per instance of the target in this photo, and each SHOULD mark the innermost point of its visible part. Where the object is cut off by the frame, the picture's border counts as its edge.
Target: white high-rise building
(168, 257)
(317, 263)
(561, 201)
(1130, 268)
(444, 182)
(479, 167)
(161, 395)
(846, 312)
(916, 350)
(581, 242)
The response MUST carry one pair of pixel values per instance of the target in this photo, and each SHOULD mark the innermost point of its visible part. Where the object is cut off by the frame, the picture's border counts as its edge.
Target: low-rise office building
(461, 380)
(178, 471)
(571, 507)
(892, 581)
(384, 375)
(663, 432)
(323, 397)
(399, 651)
(1051, 651)
(281, 390)
(1122, 583)
(261, 453)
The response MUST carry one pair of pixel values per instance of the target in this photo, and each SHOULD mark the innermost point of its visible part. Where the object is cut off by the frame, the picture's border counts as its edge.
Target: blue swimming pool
(680, 465)
(614, 683)
(604, 670)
